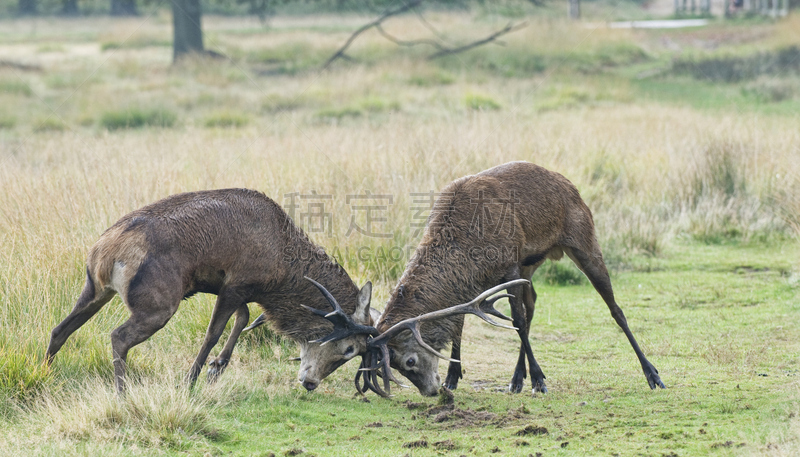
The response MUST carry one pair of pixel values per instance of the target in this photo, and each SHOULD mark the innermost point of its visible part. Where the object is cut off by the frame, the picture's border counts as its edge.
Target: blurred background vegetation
(675, 137)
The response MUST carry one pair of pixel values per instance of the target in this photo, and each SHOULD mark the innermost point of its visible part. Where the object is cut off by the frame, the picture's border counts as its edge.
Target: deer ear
(361, 315)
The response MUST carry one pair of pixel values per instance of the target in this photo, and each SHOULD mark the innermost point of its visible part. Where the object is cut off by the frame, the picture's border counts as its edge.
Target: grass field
(693, 179)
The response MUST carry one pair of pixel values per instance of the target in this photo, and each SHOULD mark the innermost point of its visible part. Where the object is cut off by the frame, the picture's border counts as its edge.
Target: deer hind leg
(522, 318)
(592, 265)
(454, 368)
(88, 304)
(228, 302)
(152, 300)
(217, 366)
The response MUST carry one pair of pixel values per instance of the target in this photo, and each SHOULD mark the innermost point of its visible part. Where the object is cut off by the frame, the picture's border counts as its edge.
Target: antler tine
(343, 325)
(471, 307)
(388, 369)
(373, 365)
(414, 327)
(373, 377)
(362, 388)
(328, 296)
(261, 319)
(488, 306)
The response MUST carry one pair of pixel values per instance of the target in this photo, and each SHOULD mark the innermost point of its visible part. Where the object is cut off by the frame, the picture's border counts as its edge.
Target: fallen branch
(19, 65)
(341, 52)
(442, 48)
(409, 43)
(507, 29)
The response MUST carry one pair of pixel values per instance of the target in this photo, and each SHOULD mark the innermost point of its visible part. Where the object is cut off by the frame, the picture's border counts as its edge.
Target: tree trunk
(69, 8)
(188, 34)
(124, 8)
(27, 7)
(574, 9)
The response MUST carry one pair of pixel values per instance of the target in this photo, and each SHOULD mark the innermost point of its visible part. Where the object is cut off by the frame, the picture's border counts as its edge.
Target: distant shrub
(481, 102)
(15, 87)
(136, 42)
(339, 113)
(737, 68)
(49, 124)
(288, 58)
(131, 118)
(378, 105)
(369, 105)
(7, 122)
(772, 90)
(274, 103)
(504, 62)
(432, 78)
(226, 119)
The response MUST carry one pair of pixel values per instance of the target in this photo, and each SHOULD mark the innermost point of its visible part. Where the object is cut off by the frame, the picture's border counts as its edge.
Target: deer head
(409, 353)
(321, 357)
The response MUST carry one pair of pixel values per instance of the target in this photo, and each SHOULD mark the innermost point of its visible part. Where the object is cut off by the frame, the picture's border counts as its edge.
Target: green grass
(12, 86)
(226, 119)
(481, 102)
(133, 117)
(717, 321)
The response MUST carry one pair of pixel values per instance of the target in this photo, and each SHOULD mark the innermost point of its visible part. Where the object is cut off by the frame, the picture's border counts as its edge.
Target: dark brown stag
(496, 226)
(491, 228)
(235, 243)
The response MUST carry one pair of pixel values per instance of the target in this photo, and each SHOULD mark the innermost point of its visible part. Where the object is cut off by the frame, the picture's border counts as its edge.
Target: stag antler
(343, 324)
(379, 356)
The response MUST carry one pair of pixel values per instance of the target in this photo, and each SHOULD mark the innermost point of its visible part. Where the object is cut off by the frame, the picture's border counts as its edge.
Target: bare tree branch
(340, 53)
(19, 65)
(409, 43)
(429, 26)
(442, 48)
(507, 29)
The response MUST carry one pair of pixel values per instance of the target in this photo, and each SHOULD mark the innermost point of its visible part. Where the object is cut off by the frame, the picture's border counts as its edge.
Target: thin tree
(124, 8)
(187, 29)
(27, 7)
(69, 8)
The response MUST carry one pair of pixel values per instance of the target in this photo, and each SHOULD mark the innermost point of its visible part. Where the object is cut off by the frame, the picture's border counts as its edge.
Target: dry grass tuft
(153, 413)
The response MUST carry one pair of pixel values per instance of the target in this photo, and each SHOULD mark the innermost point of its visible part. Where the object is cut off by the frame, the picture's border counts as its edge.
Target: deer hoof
(451, 383)
(515, 387)
(652, 377)
(215, 368)
(539, 387)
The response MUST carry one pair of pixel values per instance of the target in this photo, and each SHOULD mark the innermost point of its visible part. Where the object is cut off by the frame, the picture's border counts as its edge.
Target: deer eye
(349, 350)
(410, 362)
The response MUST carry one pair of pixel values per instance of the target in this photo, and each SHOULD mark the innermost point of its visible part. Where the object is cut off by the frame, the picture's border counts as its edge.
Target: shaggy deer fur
(235, 243)
(496, 226)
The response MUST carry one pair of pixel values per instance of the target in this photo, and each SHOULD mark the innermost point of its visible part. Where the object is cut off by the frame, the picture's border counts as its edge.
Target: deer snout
(431, 389)
(307, 381)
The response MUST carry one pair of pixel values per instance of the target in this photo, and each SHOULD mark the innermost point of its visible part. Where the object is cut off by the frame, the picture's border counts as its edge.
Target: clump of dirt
(446, 396)
(412, 405)
(456, 417)
(727, 444)
(295, 451)
(514, 415)
(375, 425)
(532, 430)
(415, 444)
(446, 445)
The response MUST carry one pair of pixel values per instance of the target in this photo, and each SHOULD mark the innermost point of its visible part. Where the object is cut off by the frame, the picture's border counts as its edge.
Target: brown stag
(496, 226)
(235, 243)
